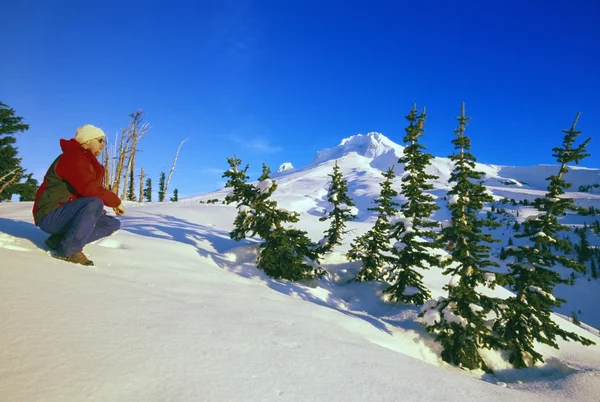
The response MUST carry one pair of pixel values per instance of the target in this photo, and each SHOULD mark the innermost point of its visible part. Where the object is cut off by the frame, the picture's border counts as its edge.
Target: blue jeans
(79, 222)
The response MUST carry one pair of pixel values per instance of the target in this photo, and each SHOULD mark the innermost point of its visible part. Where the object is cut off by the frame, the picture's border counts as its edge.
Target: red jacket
(74, 174)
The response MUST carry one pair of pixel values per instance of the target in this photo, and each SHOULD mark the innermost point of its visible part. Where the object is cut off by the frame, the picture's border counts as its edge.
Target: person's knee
(94, 204)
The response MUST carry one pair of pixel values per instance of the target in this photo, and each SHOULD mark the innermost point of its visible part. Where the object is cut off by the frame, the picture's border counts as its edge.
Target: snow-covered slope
(175, 310)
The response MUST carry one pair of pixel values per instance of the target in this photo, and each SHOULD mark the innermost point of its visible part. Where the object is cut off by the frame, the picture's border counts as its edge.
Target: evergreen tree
(341, 213)
(148, 190)
(594, 268)
(583, 248)
(526, 318)
(373, 248)
(27, 190)
(130, 188)
(175, 196)
(161, 187)
(13, 179)
(412, 231)
(459, 320)
(286, 252)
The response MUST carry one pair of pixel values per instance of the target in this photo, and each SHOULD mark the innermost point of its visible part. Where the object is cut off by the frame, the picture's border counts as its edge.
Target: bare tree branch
(15, 176)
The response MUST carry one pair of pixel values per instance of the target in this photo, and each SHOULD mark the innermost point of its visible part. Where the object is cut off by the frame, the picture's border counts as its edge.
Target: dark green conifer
(413, 231)
(337, 195)
(286, 252)
(148, 190)
(526, 318)
(161, 187)
(459, 320)
(373, 248)
(13, 179)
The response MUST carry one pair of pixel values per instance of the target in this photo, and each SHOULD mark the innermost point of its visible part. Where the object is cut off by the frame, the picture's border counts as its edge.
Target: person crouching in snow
(69, 205)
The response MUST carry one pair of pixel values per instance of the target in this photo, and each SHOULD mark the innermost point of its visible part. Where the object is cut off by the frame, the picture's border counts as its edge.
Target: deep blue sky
(293, 77)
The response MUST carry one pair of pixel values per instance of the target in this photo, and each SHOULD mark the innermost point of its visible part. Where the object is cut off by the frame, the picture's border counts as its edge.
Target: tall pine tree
(527, 316)
(337, 195)
(148, 190)
(161, 187)
(13, 179)
(373, 248)
(459, 319)
(414, 233)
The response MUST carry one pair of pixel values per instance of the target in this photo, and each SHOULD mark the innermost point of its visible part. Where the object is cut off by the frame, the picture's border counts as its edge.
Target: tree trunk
(106, 160)
(141, 196)
(173, 166)
(120, 163)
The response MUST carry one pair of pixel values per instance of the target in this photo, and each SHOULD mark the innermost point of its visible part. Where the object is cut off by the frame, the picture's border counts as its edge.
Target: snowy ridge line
(589, 328)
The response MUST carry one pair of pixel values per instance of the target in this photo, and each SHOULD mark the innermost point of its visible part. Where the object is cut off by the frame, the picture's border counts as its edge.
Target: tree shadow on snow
(167, 227)
(24, 230)
(171, 228)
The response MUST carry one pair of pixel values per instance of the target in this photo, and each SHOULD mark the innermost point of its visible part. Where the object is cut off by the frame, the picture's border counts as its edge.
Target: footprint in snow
(111, 243)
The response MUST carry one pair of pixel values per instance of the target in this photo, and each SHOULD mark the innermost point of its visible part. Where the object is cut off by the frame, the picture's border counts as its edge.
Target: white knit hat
(87, 132)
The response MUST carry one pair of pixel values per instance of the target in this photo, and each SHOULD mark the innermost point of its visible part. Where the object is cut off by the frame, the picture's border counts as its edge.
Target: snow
(176, 310)
(475, 308)
(489, 277)
(431, 317)
(452, 317)
(285, 167)
(264, 185)
(405, 222)
(454, 281)
(542, 292)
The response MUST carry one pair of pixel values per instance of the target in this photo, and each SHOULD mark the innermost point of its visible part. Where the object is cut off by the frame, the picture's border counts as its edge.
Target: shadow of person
(24, 230)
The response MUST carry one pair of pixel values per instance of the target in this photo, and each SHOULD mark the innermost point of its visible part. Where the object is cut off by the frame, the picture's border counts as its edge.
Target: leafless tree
(173, 166)
(136, 130)
(120, 156)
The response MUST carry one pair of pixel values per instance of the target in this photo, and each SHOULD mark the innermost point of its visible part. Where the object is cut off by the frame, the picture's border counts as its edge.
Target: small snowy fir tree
(414, 233)
(148, 190)
(459, 321)
(286, 252)
(161, 187)
(526, 316)
(373, 248)
(175, 196)
(244, 195)
(341, 212)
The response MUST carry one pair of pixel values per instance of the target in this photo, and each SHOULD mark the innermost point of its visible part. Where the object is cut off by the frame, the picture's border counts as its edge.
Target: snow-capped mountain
(363, 158)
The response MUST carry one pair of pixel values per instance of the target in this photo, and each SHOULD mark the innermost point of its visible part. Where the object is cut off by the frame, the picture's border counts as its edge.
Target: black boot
(53, 242)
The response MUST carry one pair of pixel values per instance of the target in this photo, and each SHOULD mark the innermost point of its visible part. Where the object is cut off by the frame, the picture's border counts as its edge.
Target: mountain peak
(369, 145)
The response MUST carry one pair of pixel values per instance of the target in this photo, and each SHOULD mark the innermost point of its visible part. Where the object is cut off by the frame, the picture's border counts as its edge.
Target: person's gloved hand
(120, 210)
